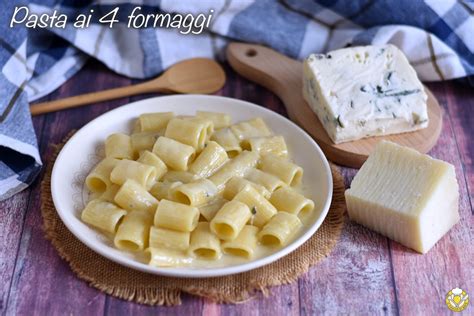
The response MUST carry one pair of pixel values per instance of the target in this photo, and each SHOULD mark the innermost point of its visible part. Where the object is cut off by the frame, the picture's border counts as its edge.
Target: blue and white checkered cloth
(437, 36)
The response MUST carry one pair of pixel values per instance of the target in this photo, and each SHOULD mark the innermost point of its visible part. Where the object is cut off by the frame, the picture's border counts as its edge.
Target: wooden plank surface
(450, 263)
(365, 274)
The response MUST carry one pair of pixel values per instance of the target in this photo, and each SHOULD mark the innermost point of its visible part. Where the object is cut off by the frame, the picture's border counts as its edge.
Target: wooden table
(365, 274)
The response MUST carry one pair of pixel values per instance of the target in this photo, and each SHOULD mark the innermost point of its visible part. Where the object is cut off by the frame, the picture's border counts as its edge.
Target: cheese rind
(404, 195)
(364, 91)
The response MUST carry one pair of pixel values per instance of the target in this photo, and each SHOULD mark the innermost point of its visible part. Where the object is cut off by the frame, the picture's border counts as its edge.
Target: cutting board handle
(274, 71)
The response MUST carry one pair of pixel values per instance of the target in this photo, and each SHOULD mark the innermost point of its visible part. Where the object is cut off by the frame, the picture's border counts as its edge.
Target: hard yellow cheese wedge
(404, 195)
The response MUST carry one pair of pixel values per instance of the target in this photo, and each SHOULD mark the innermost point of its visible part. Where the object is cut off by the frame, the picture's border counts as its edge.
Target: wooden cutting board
(284, 77)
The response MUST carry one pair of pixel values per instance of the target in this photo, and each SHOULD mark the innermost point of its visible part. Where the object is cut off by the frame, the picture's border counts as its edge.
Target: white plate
(84, 150)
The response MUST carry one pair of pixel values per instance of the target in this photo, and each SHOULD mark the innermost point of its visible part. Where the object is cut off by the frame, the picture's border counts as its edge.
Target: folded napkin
(437, 37)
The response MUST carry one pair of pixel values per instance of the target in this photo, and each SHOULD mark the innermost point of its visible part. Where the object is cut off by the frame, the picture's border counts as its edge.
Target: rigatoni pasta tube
(109, 194)
(230, 220)
(133, 232)
(251, 128)
(208, 124)
(288, 172)
(212, 157)
(129, 169)
(220, 120)
(161, 190)
(162, 237)
(209, 210)
(132, 196)
(179, 176)
(177, 216)
(118, 146)
(236, 184)
(164, 257)
(279, 230)
(237, 166)
(269, 181)
(261, 209)
(204, 244)
(176, 155)
(103, 215)
(99, 179)
(194, 193)
(189, 132)
(149, 158)
(143, 141)
(267, 145)
(245, 243)
(228, 141)
(288, 200)
(154, 121)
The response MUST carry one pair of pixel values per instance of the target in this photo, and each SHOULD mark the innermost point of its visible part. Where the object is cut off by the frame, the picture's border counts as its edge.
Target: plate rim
(193, 272)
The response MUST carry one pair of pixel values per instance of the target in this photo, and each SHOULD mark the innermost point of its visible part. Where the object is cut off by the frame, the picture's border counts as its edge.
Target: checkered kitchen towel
(436, 35)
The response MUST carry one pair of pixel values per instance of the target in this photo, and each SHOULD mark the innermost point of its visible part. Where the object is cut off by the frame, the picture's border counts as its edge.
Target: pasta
(288, 172)
(236, 167)
(132, 196)
(267, 145)
(180, 176)
(164, 257)
(251, 128)
(132, 233)
(150, 159)
(237, 184)
(110, 193)
(126, 169)
(154, 122)
(288, 200)
(209, 210)
(220, 120)
(228, 141)
(189, 132)
(194, 193)
(176, 155)
(261, 209)
(268, 181)
(118, 146)
(179, 193)
(245, 243)
(143, 141)
(208, 124)
(209, 160)
(230, 220)
(103, 215)
(172, 239)
(204, 244)
(162, 190)
(99, 179)
(177, 216)
(280, 229)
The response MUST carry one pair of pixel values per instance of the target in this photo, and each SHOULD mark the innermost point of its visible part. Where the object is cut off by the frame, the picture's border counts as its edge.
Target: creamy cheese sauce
(225, 260)
(214, 203)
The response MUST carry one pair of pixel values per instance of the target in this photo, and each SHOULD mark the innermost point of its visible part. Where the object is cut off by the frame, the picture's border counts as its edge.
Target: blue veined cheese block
(364, 91)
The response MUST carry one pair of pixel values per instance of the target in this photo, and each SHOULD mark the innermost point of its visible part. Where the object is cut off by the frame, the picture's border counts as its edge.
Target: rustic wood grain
(365, 274)
(449, 263)
(356, 277)
(460, 101)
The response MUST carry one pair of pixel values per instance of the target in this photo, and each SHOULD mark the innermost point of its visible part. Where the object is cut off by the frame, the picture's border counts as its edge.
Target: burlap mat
(139, 287)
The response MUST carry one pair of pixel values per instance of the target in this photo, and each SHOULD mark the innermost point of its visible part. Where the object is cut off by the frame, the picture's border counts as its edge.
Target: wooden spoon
(197, 75)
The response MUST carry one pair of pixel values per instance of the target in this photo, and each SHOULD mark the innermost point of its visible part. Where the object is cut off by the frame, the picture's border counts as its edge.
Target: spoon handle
(93, 97)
